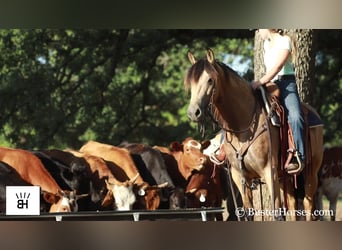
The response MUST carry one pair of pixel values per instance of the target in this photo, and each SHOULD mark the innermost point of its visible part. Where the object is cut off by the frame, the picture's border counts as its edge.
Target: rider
(278, 54)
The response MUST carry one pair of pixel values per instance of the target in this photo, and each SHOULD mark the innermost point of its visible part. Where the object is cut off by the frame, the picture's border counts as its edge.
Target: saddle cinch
(270, 95)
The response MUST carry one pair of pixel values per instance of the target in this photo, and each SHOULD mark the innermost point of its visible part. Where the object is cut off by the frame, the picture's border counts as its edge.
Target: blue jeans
(290, 100)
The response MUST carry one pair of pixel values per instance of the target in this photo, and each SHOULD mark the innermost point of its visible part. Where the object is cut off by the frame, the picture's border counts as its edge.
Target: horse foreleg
(290, 199)
(246, 194)
(272, 182)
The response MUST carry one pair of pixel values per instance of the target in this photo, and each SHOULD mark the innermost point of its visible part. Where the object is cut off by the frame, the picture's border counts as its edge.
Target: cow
(180, 155)
(177, 199)
(330, 179)
(122, 158)
(114, 194)
(71, 173)
(181, 160)
(187, 154)
(152, 168)
(206, 188)
(31, 170)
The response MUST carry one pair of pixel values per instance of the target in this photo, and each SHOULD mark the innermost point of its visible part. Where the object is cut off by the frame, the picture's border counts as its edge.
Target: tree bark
(304, 61)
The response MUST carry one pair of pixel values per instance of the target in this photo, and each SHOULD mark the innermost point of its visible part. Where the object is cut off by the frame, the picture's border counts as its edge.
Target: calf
(31, 170)
(330, 179)
(114, 193)
(122, 158)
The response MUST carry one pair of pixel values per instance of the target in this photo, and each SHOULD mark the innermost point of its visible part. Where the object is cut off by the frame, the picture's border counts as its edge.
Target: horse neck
(235, 103)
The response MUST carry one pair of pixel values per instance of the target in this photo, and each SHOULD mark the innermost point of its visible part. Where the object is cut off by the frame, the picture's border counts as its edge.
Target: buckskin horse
(251, 144)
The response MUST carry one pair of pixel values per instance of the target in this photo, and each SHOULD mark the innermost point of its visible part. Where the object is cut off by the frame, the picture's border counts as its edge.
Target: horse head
(201, 79)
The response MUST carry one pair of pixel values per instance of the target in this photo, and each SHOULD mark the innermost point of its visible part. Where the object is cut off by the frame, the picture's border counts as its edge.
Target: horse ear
(191, 57)
(210, 56)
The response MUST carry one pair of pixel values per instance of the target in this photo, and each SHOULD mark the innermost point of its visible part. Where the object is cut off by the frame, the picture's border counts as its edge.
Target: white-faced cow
(113, 193)
(122, 158)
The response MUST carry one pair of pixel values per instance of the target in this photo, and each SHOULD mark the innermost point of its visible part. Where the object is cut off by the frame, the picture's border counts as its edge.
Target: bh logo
(22, 200)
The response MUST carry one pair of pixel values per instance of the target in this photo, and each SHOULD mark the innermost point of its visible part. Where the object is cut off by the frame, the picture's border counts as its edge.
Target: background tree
(60, 88)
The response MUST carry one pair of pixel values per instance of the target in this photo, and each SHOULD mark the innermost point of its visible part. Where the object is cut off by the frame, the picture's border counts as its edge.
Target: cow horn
(108, 184)
(112, 181)
(134, 178)
(163, 185)
(79, 196)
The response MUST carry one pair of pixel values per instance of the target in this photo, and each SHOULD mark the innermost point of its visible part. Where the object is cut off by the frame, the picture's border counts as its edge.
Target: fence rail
(132, 215)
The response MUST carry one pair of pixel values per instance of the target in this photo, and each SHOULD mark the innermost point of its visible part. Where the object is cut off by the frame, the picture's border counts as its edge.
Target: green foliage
(328, 90)
(60, 88)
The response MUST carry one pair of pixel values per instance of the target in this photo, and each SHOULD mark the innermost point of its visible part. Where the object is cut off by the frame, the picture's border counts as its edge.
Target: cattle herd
(135, 176)
(129, 176)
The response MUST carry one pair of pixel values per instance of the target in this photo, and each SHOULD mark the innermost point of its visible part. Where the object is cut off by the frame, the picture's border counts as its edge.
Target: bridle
(211, 107)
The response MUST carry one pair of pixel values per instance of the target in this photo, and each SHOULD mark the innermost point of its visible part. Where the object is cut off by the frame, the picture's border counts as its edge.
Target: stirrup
(295, 167)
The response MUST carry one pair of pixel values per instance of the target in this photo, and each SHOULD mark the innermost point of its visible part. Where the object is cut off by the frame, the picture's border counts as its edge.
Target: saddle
(290, 161)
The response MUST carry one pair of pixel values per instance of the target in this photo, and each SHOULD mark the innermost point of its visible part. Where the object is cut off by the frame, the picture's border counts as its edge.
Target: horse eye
(210, 81)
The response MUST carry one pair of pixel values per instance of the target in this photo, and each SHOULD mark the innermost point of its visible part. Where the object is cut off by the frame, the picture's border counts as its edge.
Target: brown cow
(117, 193)
(188, 155)
(148, 196)
(330, 179)
(206, 187)
(30, 169)
(181, 159)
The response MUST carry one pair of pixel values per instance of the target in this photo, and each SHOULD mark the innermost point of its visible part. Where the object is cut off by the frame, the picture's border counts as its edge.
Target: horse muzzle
(195, 113)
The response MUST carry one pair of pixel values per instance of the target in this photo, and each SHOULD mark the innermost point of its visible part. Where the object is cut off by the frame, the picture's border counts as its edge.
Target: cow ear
(50, 198)
(205, 144)
(176, 146)
(109, 185)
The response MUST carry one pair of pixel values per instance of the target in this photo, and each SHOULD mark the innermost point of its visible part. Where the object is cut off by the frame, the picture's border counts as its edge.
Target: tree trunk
(304, 61)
